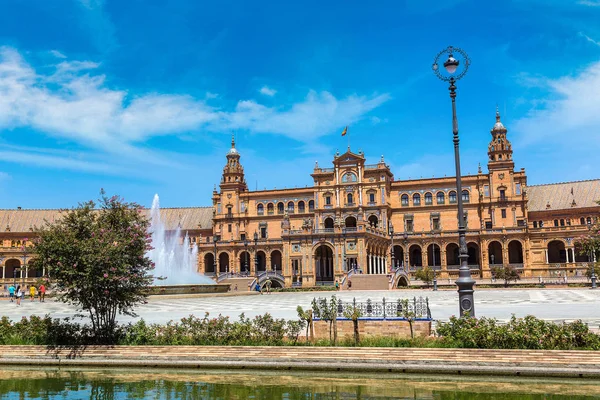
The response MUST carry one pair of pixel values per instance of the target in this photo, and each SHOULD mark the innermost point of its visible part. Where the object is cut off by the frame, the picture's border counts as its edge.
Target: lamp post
(434, 276)
(591, 258)
(406, 252)
(391, 229)
(215, 265)
(464, 282)
(246, 258)
(256, 253)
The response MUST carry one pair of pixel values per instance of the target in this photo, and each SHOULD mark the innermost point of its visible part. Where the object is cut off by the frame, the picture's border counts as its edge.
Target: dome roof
(233, 151)
(498, 126)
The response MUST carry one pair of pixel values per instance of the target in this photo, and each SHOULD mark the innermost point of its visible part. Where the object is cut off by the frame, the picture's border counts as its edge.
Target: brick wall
(369, 282)
(373, 328)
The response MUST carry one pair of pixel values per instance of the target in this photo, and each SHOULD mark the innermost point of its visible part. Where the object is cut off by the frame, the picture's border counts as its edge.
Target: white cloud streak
(73, 102)
(571, 115)
(589, 39)
(267, 91)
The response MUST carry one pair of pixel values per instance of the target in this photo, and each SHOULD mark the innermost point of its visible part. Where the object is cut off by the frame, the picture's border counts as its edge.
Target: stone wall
(396, 328)
(368, 282)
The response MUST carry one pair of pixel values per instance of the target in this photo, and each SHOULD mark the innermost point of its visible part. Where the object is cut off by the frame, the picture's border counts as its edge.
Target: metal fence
(385, 309)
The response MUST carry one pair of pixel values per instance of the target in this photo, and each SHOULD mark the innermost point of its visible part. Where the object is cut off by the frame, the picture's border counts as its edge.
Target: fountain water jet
(175, 261)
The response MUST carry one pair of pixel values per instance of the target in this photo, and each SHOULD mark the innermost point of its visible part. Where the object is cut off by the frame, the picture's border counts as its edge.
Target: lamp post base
(465, 293)
(593, 278)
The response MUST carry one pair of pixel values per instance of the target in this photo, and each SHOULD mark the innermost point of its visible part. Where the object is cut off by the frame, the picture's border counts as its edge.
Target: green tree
(409, 315)
(353, 313)
(589, 245)
(506, 273)
(425, 274)
(306, 316)
(96, 260)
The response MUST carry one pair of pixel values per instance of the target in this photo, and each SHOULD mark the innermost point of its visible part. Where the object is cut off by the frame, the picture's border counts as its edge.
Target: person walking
(32, 292)
(19, 295)
(42, 293)
(268, 285)
(337, 285)
(257, 288)
(11, 292)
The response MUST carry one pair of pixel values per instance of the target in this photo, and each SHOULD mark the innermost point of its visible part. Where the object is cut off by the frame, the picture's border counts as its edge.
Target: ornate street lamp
(591, 259)
(391, 229)
(215, 265)
(464, 282)
(256, 253)
(246, 258)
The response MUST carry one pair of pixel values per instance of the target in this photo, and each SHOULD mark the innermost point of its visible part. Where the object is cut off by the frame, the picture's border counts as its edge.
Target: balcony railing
(324, 230)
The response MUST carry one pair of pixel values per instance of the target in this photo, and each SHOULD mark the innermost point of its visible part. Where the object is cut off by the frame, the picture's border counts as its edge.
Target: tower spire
(233, 140)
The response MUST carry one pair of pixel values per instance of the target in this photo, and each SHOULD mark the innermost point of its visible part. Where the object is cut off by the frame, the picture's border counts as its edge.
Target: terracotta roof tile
(564, 195)
(190, 218)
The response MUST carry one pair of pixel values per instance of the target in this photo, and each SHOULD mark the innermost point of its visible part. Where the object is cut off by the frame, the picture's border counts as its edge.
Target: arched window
(555, 222)
(582, 221)
(311, 205)
(270, 208)
(428, 199)
(404, 200)
(300, 207)
(589, 220)
(452, 197)
(290, 207)
(350, 198)
(348, 177)
(416, 199)
(280, 208)
(465, 196)
(440, 198)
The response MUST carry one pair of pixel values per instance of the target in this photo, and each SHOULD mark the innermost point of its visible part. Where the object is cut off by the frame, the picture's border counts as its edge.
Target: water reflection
(51, 384)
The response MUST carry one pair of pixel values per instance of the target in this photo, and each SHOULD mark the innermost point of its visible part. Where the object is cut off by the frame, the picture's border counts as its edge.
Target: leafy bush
(518, 333)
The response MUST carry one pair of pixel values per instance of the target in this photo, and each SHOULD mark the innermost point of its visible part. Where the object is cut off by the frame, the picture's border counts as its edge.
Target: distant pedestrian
(257, 288)
(42, 293)
(11, 292)
(268, 285)
(235, 288)
(32, 292)
(19, 295)
(349, 284)
(337, 285)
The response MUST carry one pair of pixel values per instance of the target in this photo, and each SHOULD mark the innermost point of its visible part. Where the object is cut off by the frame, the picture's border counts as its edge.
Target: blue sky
(141, 97)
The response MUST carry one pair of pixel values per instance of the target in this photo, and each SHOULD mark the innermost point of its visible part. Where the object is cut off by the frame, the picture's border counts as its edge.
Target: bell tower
(499, 149)
(233, 172)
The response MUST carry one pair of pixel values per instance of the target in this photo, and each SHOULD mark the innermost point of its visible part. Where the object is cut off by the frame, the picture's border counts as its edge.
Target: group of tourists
(17, 293)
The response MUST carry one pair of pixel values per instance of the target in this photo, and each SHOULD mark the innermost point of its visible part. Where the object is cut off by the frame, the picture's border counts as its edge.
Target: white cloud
(73, 102)
(589, 39)
(570, 116)
(57, 54)
(4, 176)
(591, 3)
(267, 91)
(210, 95)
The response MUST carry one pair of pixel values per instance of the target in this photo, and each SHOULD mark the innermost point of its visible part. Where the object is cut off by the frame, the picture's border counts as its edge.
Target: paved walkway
(583, 364)
(550, 304)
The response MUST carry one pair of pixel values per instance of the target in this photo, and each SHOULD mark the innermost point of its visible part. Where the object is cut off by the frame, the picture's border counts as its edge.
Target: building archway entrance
(495, 253)
(209, 263)
(328, 223)
(245, 262)
(373, 221)
(473, 251)
(324, 264)
(556, 252)
(262, 261)
(224, 262)
(416, 256)
(398, 256)
(276, 260)
(452, 253)
(13, 268)
(515, 252)
(350, 222)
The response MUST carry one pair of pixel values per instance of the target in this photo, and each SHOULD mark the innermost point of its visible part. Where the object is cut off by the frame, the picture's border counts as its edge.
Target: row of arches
(434, 254)
(244, 263)
(350, 222)
(440, 198)
(13, 268)
(281, 207)
(556, 252)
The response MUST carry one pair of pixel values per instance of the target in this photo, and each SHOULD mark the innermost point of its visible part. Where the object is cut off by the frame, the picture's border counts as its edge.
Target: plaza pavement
(549, 304)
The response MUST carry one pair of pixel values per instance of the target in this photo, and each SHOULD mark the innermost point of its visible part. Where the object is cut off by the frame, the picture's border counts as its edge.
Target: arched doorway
(556, 252)
(324, 264)
(276, 261)
(209, 263)
(373, 221)
(515, 252)
(398, 256)
(262, 261)
(473, 251)
(245, 262)
(402, 282)
(452, 253)
(495, 253)
(416, 257)
(224, 262)
(328, 223)
(13, 268)
(350, 222)
(434, 258)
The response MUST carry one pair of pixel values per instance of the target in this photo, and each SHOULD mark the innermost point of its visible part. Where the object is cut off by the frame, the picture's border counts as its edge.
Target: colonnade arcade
(14, 268)
(243, 261)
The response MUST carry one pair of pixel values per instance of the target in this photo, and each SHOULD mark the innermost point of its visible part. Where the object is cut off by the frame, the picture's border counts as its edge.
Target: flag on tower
(345, 131)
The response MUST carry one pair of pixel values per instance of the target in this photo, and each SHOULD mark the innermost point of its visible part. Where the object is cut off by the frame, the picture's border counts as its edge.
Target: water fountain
(175, 262)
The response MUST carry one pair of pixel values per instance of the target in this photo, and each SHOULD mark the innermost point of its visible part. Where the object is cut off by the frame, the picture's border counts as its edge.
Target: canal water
(109, 384)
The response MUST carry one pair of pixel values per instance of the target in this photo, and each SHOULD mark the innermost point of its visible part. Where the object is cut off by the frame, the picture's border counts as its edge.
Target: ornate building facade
(357, 218)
